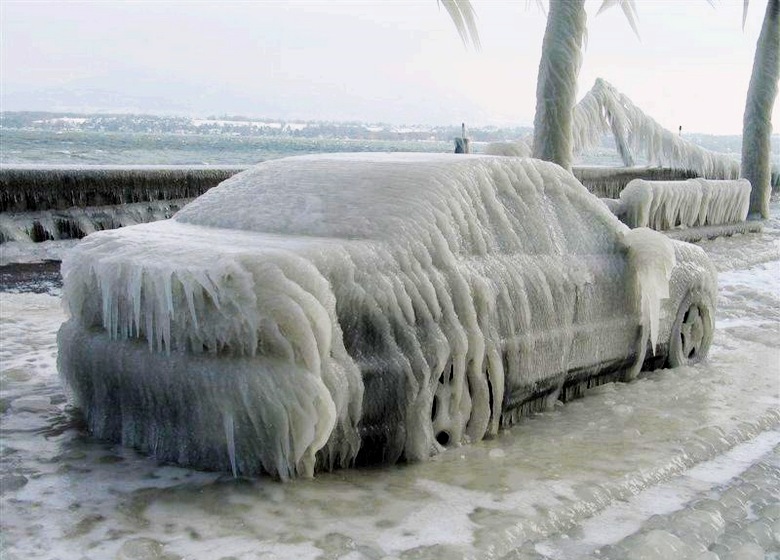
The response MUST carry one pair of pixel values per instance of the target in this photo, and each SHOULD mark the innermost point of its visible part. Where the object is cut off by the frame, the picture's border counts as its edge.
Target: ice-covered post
(757, 123)
(462, 144)
(556, 86)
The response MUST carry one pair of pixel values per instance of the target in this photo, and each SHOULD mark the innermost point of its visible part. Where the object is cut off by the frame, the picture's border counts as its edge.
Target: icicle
(230, 437)
(651, 259)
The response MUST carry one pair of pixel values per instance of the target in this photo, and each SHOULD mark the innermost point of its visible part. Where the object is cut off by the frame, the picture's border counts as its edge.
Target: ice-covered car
(318, 310)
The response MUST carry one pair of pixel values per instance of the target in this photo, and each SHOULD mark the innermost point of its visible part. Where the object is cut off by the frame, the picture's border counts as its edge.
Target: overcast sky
(391, 61)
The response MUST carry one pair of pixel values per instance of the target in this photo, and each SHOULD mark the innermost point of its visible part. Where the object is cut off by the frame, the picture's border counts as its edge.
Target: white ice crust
(267, 308)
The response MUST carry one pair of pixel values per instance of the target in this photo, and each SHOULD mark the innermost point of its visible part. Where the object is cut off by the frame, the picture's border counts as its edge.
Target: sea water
(133, 148)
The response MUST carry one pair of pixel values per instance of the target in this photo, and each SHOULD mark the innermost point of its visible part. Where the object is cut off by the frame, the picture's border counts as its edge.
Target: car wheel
(692, 331)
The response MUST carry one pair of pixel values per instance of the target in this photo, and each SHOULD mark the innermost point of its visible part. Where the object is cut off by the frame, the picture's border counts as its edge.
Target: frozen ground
(679, 464)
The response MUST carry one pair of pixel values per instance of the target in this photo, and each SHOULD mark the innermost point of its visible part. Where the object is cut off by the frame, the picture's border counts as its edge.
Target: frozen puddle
(690, 448)
(689, 514)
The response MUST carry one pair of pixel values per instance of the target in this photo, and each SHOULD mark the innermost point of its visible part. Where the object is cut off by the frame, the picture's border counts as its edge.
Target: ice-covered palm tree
(757, 122)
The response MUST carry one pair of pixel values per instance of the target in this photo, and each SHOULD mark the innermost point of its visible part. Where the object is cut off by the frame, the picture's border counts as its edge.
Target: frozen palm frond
(604, 110)
(629, 10)
(462, 14)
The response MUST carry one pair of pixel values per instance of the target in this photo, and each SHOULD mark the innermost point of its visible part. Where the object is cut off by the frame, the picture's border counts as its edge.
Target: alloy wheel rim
(692, 332)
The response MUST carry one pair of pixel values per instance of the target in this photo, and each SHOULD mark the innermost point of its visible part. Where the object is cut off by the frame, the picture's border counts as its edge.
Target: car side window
(588, 227)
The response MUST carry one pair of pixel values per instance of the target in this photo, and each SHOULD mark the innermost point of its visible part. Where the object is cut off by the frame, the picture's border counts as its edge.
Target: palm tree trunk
(757, 123)
(556, 86)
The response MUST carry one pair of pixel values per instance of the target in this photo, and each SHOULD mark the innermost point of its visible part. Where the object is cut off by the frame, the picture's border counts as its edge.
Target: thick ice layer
(408, 297)
(509, 149)
(652, 259)
(666, 205)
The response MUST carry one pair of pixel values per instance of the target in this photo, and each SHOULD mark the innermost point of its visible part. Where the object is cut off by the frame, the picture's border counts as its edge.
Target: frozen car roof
(379, 196)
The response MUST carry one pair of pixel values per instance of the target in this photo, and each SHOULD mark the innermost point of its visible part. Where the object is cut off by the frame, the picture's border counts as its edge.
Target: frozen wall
(67, 202)
(75, 223)
(37, 189)
(609, 181)
(312, 305)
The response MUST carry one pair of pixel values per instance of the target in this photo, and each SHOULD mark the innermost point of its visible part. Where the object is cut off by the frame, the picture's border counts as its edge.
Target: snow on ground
(679, 464)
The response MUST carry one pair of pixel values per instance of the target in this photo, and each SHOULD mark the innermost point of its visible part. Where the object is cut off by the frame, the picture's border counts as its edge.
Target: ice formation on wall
(75, 223)
(38, 189)
(605, 110)
(608, 182)
(665, 205)
(67, 202)
(312, 305)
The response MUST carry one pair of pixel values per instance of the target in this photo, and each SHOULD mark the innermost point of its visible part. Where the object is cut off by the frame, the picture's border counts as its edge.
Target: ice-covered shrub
(665, 205)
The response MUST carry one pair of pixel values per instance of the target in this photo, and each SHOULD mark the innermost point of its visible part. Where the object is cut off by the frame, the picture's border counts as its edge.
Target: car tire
(692, 330)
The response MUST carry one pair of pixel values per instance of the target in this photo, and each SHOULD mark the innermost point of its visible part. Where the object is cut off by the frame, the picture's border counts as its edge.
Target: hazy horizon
(395, 63)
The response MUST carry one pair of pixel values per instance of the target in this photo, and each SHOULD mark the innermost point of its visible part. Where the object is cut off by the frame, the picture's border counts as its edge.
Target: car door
(573, 315)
